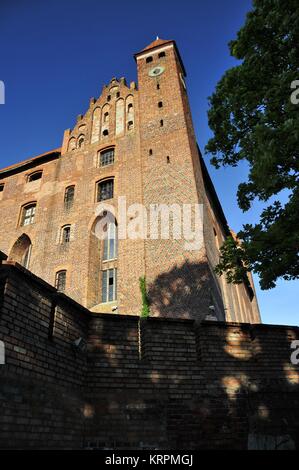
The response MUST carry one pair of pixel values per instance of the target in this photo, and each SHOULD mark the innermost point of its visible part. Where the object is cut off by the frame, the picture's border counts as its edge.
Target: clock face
(156, 71)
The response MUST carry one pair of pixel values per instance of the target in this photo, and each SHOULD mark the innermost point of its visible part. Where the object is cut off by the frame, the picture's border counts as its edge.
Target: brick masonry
(157, 383)
(181, 283)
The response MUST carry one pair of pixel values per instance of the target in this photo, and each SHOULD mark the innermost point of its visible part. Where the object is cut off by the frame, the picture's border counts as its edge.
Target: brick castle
(138, 143)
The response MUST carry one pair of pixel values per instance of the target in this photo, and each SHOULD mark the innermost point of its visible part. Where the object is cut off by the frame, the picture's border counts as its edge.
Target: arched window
(130, 107)
(105, 190)
(34, 176)
(65, 234)
(69, 197)
(81, 141)
(28, 214)
(21, 251)
(60, 280)
(130, 125)
(110, 241)
(72, 144)
(106, 117)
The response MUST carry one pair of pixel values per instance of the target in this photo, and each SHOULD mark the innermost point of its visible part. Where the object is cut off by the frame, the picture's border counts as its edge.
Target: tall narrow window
(110, 242)
(26, 257)
(69, 196)
(105, 190)
(130, 125)
(60, 281)
(28, 214)
(66, 234)
(109, 285)
(81, 142)
(107, 157)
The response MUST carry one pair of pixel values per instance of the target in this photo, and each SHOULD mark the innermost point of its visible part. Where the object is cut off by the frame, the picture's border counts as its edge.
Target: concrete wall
(157, 383)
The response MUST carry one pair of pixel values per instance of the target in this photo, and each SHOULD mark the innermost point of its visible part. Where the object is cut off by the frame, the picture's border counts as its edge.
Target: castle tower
(136, 143)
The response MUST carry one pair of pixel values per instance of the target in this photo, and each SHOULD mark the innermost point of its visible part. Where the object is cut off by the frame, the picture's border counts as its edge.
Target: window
(26, 257)
(60, 281)
(118, 94)
(130, 125)
(150, 152)
(108, 97)
(34, 176)
(149, 59)
(107, 157)
(28, 214)
(158, 86)
(160, 104)
(1, 188)
(81, 142)
(106, 117)
(109, 285)
(130, 107)
(110, 242)
(105, 132)
(161, 123)
(66, 234)
(69, 197)
(161, 54)
(105, 190)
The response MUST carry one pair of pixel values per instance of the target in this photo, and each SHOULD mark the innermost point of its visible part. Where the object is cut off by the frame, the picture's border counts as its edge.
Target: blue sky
(57, 54)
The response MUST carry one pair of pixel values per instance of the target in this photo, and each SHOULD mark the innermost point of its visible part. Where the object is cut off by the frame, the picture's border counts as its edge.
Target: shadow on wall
(208, 386)
(185, 291)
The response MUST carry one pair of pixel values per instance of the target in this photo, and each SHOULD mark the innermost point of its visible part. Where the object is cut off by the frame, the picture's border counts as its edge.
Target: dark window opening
(158, 86)
(150, 152)
(161, 123)
(1, 188)
(130, 107)
(107, 157)
(130, 125)
(60, 281)
(118, 94)
(161, 54)
(149, 59)
(160, 104)
(105, 190)
(35, 176)
(81, 142)
(108, 97)
(168, 160)
(106, 116)
(66, 235)
(105, 132)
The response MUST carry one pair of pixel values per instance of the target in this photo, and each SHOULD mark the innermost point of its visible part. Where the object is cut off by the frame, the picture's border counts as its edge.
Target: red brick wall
(159, 383)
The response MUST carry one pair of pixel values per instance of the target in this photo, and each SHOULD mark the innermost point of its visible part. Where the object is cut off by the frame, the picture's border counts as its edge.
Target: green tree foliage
(253, 119)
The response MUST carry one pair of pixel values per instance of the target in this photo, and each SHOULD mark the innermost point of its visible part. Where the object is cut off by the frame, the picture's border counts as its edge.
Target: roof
(156, 43)
(46, 156)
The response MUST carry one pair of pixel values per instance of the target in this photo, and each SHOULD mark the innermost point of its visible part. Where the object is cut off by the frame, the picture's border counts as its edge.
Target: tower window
(28, 214)
(130, 107)
(168, 159)
(105, 190)
(34, 176)
(161, 54)
(160, 104)
(66, 234)
(108, 97)
(130, 125)
(107, 157)
(158, 86)
(1, 188)
(105, 132)
(81, 142)
(161, 123)
(118, 94)
(106, 116)
(109, 285)
(69, 197)
(60, 281)
(150, 152)
(149, 59)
